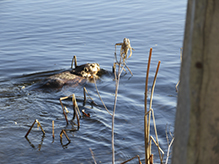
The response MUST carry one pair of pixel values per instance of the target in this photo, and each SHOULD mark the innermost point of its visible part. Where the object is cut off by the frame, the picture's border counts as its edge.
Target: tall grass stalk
(125, 47)
(150, 107)
(117, 78)
(147, 116)
(100, 96)
(168, 151)
(146, 134)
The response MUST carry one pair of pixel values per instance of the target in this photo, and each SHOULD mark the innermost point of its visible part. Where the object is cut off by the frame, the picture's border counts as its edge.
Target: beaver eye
(92, 65)
(86, 69)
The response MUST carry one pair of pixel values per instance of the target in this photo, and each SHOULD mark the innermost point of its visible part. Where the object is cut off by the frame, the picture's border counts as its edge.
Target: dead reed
(118, 67)
(125, 48)
(53, 135)
(92, 153)
(63, 109)
(86, 93)
(63, 132)
(146, 135)
(137, 156)
(38, 124)
(148, 114)
(74, 60)
(76, 110)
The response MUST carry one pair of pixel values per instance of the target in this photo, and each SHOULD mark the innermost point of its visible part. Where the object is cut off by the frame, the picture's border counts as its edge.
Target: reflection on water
(38, 39)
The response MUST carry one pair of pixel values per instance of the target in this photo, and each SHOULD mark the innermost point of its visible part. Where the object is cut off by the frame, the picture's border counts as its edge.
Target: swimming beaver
(75, 76)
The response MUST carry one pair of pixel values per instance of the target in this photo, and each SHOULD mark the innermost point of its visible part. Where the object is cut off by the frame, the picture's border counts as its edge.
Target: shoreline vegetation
(119, 66)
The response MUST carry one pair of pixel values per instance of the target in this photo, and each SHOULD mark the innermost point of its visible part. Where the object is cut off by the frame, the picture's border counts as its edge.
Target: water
(39, 38)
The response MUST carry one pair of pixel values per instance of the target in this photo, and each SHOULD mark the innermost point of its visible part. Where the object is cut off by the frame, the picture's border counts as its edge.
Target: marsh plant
(118, 67)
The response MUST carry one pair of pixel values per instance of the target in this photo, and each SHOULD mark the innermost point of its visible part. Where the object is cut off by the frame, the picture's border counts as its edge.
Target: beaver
(77, 75)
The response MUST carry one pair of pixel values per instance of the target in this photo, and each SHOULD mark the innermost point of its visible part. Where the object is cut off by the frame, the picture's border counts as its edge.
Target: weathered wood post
(197, 116)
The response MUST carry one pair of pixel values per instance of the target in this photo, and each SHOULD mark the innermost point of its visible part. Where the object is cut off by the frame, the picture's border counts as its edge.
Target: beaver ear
(93, 65)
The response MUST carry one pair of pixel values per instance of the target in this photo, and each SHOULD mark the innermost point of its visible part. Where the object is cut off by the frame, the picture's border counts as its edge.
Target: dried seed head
(125, 47)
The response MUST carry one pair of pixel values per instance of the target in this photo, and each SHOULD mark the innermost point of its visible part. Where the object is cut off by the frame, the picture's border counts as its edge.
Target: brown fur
(76, 76)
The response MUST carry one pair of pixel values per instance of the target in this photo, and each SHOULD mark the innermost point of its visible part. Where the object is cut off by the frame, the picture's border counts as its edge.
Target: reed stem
(168, 151)
(74, 60)
(146, 134)
(30, 129)
(76, 110)
(38, 123)
(63, 131)
(117, 78)
(53, 135)
(92, 155)
(100, 96)
(151, 98)
(63, 109)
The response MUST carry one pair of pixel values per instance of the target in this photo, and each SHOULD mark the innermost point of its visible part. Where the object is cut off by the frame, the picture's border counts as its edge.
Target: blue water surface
(39, 39)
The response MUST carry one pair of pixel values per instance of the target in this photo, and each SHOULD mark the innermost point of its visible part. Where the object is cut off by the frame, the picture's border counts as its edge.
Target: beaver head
(87, 70)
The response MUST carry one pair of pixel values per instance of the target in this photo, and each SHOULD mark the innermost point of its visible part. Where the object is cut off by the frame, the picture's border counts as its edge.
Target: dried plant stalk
(38, 123)
(168, 151)
(63, 98)
(100, 97)
(146, 134)
(117, 78)
(74, 60)
(167, 135)
(155, 130)
(63, 131)
(76, 104)
(85, 114)
(151, 98)
(125, 47)
(76, 110)
(137, 156)
(53, 135)
(30, 129)
(151, 159)
(93, 156)
(86, 92)
(129, 70)
(152, 139)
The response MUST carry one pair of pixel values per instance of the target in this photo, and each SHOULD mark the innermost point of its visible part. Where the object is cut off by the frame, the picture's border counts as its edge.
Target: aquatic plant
(38, 124)
(147, 118)
(118, 67)
(125, 47)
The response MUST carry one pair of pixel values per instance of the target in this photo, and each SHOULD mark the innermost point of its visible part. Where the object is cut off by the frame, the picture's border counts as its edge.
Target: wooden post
(197, 116)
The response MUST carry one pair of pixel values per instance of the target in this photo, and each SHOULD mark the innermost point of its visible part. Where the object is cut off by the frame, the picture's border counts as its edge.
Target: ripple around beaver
(73, 77)
(55, 80)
